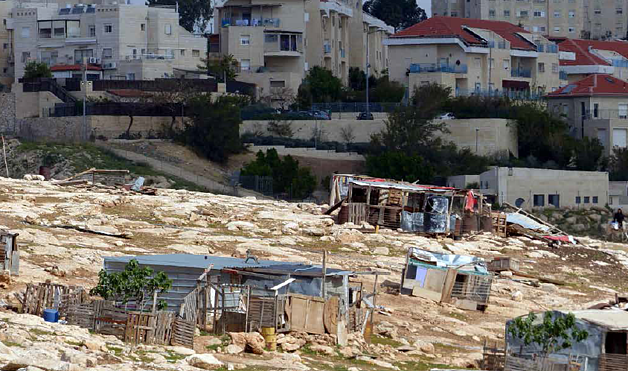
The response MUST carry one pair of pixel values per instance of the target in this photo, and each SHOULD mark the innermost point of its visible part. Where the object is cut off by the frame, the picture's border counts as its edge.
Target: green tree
(400, 166)
(224, 67)
(193, 14)
(34, 69)
(214, 127)
(551, 334)
(588, 154)
(288, 176)
(322, 86)
(397, 13)
(618, 164)
(133, 283)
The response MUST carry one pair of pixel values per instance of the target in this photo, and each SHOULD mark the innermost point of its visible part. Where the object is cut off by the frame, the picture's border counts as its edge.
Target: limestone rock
(252, 342)
(517, 296)
(241, 226)
(290, 228)
(182, 351)
(290, 343)
(505, 274)
(381, 250)
(233, 349)
(204, 361)
(424, 346)
(323, 349)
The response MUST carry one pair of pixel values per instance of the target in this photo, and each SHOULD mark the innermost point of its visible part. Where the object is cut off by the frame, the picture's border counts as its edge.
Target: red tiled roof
(584, 57)
(455, 27)
(73, 67)
(596, 84)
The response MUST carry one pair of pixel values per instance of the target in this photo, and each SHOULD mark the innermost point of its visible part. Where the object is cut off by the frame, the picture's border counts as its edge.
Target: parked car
(320, 115)
(365, 116)
(447, 116)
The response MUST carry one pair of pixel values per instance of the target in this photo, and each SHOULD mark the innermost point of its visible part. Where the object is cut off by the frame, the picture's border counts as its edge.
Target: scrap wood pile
(38, 297)
(521, 223)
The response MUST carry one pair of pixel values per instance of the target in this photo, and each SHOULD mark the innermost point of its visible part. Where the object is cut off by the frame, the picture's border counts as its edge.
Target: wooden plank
(330, 318)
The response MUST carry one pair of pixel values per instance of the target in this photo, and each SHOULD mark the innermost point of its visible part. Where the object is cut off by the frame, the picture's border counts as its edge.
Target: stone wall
(7, 113)
(53, 129)
(112, 127)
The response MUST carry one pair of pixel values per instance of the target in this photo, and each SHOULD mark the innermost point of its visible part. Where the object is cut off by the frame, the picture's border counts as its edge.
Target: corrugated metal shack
(247, 294)
(605, 349)
(458, 279)
(9, 253)
(411, 207)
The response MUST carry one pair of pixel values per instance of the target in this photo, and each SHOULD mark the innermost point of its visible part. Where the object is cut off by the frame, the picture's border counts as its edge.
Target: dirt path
(174, 170)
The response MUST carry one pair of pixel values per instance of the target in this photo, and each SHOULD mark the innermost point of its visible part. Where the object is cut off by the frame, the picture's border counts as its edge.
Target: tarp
(525, 222)
(412, 222)
(449, 260)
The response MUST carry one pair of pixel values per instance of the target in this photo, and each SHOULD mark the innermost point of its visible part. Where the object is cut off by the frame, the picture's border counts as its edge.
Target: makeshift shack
(411, 207)
(458, 279)
(9, 253)
(232, 294)
(605, 349)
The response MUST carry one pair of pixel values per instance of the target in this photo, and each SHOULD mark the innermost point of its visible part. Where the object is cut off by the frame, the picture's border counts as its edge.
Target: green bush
(34, 70)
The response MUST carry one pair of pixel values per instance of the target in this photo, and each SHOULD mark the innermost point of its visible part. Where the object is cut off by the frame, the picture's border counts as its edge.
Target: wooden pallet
(499, 224)
(183, 333)
(140, 328)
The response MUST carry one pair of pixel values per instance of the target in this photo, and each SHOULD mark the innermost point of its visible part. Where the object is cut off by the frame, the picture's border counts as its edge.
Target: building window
(619, 11)
(5, 70)
(82, 53)
(554, 200)
(554, 67)
(597, 11)
(491, 13)
(143, 27)
(565, 110)
(5, 46)
(26, 32)
(595, 109)
(108, 28)
(572, 14)
(183, 52)
(168, 29)
(245, 40)
(595, 199)
(477, 62)
(107, 53)
(541, 67)
(578, 200)
(92, 31)
(506, 64)
(491, 63)
(587, 199)
(130, 76)
(556, 29)
(245, 64)
(572, 30)
(26, 56)
(622, 111)
(196, 53)
(556, 14)
(506, 13)
(454, 14)
(539, 200)
(539, 14)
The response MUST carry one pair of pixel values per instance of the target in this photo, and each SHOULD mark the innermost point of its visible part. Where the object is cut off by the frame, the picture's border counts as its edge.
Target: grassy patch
(225, 341)
(116, 351)
(74, 343)
(376, 339)
(38, 332)
(420, 366)
(12, 344)
(173, 357)
(459, 316)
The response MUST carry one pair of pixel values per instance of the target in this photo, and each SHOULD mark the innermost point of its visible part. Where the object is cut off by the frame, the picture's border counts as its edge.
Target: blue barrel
(51, 315)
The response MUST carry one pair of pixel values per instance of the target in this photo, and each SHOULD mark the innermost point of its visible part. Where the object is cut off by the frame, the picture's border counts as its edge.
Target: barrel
(45, 171)
(343, 214)
(270, 337)
(51, 315)
(469, 223)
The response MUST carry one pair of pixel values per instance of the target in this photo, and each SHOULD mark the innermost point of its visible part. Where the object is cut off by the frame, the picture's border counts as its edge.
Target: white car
(447, 116)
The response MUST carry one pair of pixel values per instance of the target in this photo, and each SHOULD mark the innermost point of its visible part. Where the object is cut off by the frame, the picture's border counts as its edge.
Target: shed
(9, 253)
(606, 348)
(184, 270)
(458, 279)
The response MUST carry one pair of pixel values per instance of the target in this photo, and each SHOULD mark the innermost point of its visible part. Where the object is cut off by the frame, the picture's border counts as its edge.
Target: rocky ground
(410, 334)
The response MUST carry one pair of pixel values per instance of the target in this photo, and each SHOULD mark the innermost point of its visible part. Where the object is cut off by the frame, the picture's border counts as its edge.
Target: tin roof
(383, 183)
(220, 263)
(609, 319)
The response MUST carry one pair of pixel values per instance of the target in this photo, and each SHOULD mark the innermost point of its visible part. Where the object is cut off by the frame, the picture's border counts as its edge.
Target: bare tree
(283, 98)
(347, 134)
(172, 99)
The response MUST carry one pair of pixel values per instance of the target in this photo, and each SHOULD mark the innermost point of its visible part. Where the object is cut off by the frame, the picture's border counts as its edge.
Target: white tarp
(448, 260)
(526, 222)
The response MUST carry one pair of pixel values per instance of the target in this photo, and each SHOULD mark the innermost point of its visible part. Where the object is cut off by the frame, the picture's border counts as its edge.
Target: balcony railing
(620, 63)
(606, 114)
(562, 75)
(255, 22)
(512, 94)
(327, 48)
(434, 67)
(521, 72)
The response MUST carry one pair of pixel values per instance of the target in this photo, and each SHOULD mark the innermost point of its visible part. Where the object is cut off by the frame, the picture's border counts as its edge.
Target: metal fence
(355, 107)
(117, 109)
(260, 184)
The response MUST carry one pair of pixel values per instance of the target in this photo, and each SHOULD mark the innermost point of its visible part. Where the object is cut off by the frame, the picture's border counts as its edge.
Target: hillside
(411, 333)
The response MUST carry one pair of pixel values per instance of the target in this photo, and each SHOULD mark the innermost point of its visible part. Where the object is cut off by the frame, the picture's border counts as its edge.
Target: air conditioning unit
(109, 66)
(93, 60)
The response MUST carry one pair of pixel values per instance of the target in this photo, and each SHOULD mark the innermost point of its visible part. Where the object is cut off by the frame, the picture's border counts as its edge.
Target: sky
(427, 5)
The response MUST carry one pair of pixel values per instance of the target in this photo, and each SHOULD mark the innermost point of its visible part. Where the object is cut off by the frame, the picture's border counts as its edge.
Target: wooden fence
(613, 362)
(514, 363)
(493, 357)
(38, 297)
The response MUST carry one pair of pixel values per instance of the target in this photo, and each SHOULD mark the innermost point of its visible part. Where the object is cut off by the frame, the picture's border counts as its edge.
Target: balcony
(606, 114)
(277, 45)
(327, 49)
(434, 67)
(342, 53)
(80, 40)
(620, 63)
(521, 72)
(562, 75)
(255, 22)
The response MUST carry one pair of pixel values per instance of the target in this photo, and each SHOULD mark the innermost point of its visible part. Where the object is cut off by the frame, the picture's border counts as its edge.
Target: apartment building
(595, 107)
(124, 41)
(276, 43)
(581, 58)
(590, 19)
(6, 44)
(474, 57)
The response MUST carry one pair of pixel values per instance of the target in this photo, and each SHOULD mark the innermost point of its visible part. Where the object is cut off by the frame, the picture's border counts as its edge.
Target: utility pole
(84, 94)
(477, 130)
(368, 66)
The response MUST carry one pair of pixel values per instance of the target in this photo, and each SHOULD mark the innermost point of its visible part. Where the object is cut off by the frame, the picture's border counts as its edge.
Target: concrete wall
(512, 184)
(35, 104)
(494, 136)
(53, 129)
(7, 112)
(113, 126)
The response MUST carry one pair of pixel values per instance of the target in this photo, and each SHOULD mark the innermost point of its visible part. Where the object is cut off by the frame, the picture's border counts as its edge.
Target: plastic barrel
(270, 337)
(51, 315)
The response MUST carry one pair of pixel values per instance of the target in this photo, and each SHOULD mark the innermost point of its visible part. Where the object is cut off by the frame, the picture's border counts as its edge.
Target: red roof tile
(584, 56)
(455, 27)
(597, 84)
(73, 67)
